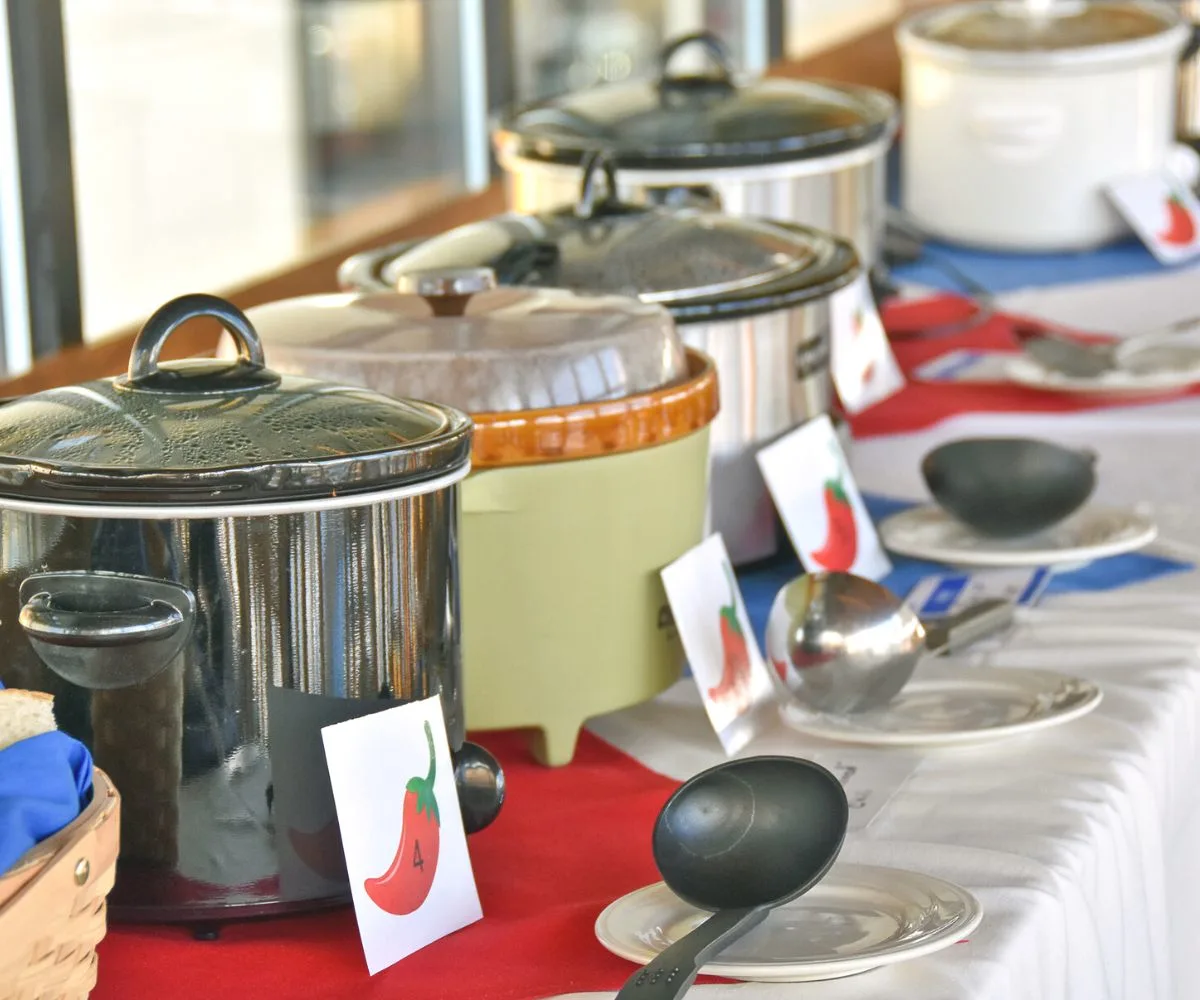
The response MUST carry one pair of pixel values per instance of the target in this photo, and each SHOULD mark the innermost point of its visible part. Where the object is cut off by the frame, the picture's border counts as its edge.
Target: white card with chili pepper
(863, 368)
(1162, 211)
(406, 851)
(737, 690)
(814, 491)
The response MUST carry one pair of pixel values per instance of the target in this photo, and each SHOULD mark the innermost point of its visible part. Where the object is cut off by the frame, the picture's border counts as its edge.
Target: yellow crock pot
(572, 509)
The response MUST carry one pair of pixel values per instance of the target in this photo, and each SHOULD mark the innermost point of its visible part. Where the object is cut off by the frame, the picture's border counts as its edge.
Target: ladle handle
(974, 622)
(669, 975)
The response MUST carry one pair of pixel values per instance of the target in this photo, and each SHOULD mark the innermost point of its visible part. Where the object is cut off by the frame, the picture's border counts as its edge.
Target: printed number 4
(418, 861)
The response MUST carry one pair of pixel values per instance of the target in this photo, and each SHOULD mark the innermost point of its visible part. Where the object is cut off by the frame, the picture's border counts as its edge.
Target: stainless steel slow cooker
(751, 294)
(227, 560)
(797, 150)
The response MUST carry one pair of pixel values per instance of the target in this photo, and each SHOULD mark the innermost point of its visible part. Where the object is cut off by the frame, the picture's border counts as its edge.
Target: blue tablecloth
(999, 272)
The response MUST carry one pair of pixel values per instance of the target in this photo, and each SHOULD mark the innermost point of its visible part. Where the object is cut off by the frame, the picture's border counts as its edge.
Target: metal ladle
(740, 839)
(1156, 350)
(852, 644)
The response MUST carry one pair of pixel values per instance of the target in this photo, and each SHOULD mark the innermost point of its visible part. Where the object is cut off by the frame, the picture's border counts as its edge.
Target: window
(215, 141)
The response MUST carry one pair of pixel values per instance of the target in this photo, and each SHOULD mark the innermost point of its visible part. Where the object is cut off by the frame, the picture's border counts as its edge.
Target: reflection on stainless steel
(774, 376)
(360, 603)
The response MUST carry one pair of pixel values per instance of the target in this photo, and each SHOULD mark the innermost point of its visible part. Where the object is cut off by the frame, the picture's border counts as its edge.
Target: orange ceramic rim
(589, 430)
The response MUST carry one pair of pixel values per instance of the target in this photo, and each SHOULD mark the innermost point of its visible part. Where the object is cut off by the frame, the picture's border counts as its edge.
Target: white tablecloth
(1081, 841)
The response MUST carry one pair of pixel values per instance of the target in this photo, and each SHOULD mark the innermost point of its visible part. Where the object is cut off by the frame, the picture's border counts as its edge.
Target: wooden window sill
(870, 60)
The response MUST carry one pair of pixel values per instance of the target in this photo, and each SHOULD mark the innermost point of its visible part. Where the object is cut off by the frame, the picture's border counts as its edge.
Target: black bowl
(1009, 487)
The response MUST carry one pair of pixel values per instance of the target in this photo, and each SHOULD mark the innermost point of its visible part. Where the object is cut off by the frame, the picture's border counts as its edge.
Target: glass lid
(456, 337)
(217, 432)
(700, 264)
(678, 119)
(1046, 26)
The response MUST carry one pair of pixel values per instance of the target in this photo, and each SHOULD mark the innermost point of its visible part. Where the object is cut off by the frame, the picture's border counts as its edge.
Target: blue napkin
(44, 783)
(761, 583)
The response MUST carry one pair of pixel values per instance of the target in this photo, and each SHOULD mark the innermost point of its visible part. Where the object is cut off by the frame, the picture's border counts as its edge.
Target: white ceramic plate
(928, 532)
(857, 918)
(955, 706)
(1025, 371)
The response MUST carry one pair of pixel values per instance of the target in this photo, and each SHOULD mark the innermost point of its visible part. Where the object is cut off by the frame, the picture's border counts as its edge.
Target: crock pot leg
(554, 745)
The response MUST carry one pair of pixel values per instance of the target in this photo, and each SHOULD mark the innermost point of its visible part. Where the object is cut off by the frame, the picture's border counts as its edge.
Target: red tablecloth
(569, 840)
(923, 404)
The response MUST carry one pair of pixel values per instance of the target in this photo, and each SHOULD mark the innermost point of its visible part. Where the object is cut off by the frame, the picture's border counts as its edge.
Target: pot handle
(44, 617)
(105, 630)
(596, 165)
(249, 372)
(717, 51)
(480, 783)
(1192, 46)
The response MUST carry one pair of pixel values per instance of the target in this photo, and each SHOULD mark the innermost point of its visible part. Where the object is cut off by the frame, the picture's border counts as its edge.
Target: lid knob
(248, 373)
(447, 281)
(717, 53)
(447, 290)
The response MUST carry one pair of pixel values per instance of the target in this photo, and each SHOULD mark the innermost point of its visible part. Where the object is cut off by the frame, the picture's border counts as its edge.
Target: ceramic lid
(218, 432)
(707, 120)
(455, 337)
(700, 264)
(1084, 28)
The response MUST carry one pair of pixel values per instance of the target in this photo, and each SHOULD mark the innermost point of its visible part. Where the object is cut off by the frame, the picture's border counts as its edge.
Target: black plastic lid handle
(717, 51)
(596, 165)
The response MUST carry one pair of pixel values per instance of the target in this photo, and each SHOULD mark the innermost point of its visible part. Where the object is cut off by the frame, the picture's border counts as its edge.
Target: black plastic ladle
(740, 839)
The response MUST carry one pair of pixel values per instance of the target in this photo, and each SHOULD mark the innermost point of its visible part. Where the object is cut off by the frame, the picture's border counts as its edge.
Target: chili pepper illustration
(860, 327)
(406, 884)
(1181, 227)
(840, 548)
(780, 669)
(735, 675)
(321, 850)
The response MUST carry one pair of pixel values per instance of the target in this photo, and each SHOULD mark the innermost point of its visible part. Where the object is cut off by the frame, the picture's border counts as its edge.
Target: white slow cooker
(1018, 114)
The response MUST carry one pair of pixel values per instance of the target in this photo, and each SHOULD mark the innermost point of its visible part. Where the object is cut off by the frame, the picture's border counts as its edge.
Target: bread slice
(24, 714)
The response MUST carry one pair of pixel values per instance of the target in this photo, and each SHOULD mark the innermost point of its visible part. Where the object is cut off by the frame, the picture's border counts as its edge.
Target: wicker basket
(52, 905)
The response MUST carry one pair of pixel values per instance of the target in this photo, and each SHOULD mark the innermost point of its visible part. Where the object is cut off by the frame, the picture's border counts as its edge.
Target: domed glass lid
(704, 120)
(217, 432)
(456, 337)
(700, 264)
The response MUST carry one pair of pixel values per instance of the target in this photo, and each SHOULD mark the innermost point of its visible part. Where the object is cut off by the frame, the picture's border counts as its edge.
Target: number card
(406, 851)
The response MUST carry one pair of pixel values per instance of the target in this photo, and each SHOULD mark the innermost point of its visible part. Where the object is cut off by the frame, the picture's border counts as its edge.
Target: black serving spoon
(1009, 487)
(739, 839)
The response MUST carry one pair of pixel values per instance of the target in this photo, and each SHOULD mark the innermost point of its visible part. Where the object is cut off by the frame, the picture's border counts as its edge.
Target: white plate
(928, 532)
(1025, 371)
(955, 706)
(857, 918)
